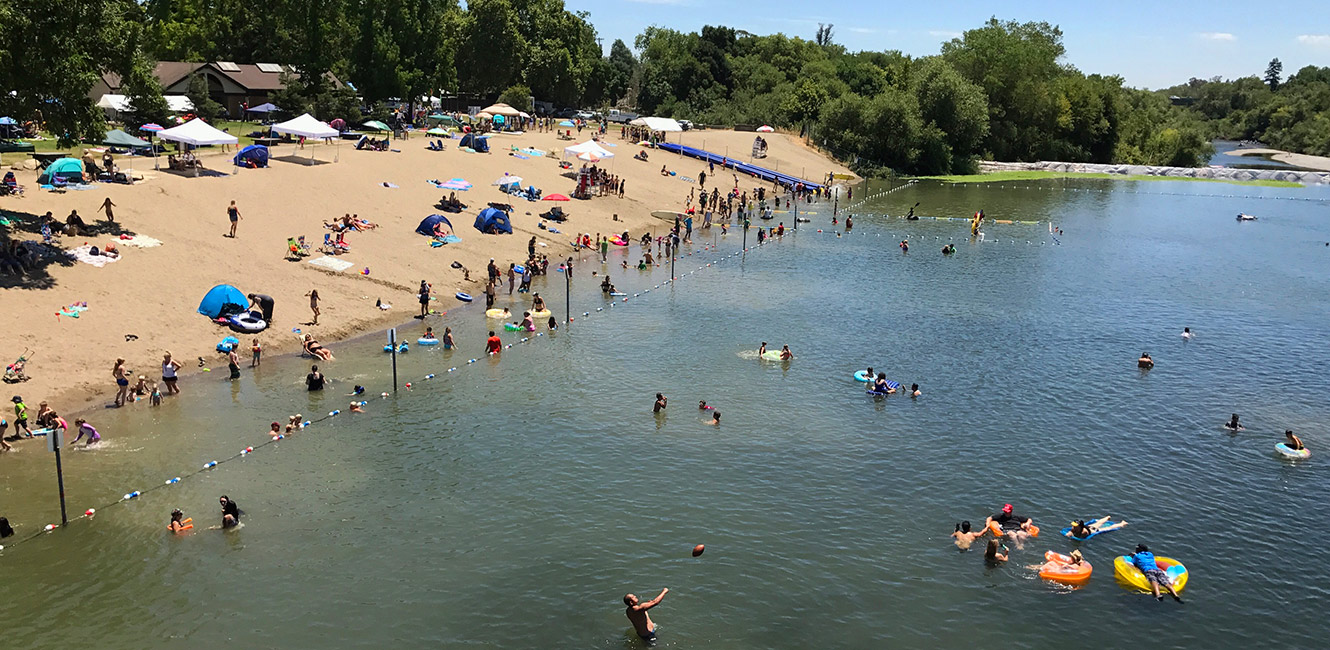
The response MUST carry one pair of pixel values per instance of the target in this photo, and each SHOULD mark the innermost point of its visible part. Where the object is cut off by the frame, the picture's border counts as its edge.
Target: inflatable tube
(509, 327)
(248, 322)
(424, 341)
(1066, 532)
(464, 297)
(544, 313)
(771, 355)
(497, 313)
(618, 241)
(1058, 568)
(401, 348)
(996, 528)
(519, 269)
(186, 525)
(862, 375)
(1289, 452)
(1127, 573)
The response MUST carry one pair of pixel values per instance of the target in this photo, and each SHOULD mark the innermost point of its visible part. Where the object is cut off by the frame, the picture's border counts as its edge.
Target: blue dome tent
(493, 222)
(480, 143)
(66, 169)
(223, 300)
(256, 153)
(426, 226)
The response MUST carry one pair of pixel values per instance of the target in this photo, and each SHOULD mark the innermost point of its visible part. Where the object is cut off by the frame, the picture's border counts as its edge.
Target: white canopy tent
(658, 124)
(196, 132)
(502, 109)
(120, 103)
(306, 126)
(590, 146)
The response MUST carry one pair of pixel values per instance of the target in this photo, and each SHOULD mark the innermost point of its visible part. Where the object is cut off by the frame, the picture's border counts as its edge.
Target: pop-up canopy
(197, 132)
(306, 125)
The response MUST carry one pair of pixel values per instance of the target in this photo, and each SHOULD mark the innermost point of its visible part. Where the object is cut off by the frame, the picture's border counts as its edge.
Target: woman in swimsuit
(121, 382)
(316, 350)
(169, 368)
(230, 512)
(447, 338)
(538, 303)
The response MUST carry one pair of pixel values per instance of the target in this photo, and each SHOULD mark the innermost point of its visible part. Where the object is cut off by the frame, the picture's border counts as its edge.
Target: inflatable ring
(519, 269)
(186, 525)
(996, 528)
(497, 313)
(1127, 573)
(511, 327)
(1058, 568)
(426, 341)
(247, 322)
(544, 313)
(862, 375)
(464, 297)
(1289, 452)
(771, 355)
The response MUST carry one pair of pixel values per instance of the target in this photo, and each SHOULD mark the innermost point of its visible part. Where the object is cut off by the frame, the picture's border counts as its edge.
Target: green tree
(144, 93)
(1273, 73)
(518, 96)
(955, 108)
(204, 105)
(805, 103)
(401, 49)
(622, 69)
(490, 50)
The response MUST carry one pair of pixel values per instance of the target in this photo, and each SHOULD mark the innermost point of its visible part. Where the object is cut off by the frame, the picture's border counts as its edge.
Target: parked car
(687, 126)
(585, 115)
(621, 117)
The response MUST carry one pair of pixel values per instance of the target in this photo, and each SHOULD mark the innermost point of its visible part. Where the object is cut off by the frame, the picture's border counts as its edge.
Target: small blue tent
(480, 143)
(66, 169)
(492, 222)
(254, 152)
(426, 226)
(223, 300)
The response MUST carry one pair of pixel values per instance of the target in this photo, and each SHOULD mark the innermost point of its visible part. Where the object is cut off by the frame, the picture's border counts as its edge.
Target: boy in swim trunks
(1144, 560)
(637, 614)
(21, 417)
(965, 537)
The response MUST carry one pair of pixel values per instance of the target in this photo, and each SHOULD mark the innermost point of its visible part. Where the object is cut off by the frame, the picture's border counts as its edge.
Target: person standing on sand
(121, 382)
(233, 213)
(314, 305)
(107, 205)
(169, 368)
(531, 247)
(637, 614)
(423, 295)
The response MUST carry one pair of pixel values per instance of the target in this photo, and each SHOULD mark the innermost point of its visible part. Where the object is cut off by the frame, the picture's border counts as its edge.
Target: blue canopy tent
(480, 143)
(64, 169)
(255, 153)
(223, 300)
(492, 221)
(427, 224)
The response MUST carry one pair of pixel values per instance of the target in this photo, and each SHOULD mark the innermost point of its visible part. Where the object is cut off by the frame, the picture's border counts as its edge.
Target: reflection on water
(542, 483)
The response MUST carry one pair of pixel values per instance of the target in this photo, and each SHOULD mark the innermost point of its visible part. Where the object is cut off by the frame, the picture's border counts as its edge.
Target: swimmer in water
(1052, 565)
(905, 245)
(355, 407)
(785, 354)
(715, 419)
(429, 333)
(230, 512)
(762, 349)
(528, 325)
(702, 406)
(995, 552)
(965, 537)
(1233, 425)
(914, 390)
(177, 524)
(1145, 361)
(1186, 334)
(637, 614)
(1294, 442)
(661, 402)
(880, 385)
(84, 428)
(448, 338)
(1082, 530)
(275, 430)
(554, 323)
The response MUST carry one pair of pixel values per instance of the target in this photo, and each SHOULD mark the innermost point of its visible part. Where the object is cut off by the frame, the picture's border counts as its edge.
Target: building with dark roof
(232, 85)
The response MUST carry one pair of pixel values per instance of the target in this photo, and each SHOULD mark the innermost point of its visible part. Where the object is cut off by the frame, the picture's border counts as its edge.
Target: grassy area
(996, 177)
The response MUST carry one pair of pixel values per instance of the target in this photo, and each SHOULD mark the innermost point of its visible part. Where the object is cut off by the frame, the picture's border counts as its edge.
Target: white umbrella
(507, 180)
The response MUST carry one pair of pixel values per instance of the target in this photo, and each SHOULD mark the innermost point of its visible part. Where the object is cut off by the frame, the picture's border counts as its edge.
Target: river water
(511, 503)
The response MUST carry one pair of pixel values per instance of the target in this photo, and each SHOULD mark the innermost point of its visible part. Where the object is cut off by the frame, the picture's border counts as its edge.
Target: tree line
(1000, 91)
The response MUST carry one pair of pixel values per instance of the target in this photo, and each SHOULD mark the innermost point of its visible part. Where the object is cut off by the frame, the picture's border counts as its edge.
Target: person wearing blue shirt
(1145, 561)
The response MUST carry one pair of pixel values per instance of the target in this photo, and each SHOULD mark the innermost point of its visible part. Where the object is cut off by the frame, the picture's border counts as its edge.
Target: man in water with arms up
(637, 613)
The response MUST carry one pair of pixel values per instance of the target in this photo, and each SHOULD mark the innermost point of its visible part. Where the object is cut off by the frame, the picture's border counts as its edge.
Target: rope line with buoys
(213, 464)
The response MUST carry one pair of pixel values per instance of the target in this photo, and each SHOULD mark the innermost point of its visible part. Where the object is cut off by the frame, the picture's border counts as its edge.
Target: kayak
(1058, 568)
(1128, 574)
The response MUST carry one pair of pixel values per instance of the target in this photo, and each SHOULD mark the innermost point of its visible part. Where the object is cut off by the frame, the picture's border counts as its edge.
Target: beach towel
(142, 241)
(520, 156)
(450, 239)
(331, 263)
(84, 254)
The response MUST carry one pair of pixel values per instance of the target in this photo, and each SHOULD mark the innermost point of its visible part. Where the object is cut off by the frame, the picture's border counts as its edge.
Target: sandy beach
(153, 293)
(1318, 163)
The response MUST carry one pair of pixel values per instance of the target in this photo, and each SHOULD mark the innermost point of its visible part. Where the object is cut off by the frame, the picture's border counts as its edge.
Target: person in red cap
(1018, 527)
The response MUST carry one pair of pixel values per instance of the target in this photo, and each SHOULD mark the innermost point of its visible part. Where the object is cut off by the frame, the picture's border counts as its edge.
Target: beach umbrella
(507, 179)
(151, 127)
(588, 156)
(7, 121)
(765, 129)
(456, 184)
(339, 124)
(436, 116)
(376, 125)
(437, 131)
(555, 197)
(566, 123)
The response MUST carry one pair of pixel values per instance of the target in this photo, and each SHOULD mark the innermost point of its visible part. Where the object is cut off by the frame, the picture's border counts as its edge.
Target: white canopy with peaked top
(197, 132)
(306, 125)
(502, 109)
(590, 146)
(658, 124)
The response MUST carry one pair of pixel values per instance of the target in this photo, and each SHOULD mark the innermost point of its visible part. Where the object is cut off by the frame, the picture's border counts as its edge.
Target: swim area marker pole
(392, 345)
(568, 291)
(54, 441)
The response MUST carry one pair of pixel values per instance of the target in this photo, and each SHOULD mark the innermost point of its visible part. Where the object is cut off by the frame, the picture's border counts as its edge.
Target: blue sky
(1150, 44)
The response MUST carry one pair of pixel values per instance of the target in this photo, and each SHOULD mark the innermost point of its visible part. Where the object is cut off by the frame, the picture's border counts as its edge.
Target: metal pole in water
(567, 291)
(54, 441)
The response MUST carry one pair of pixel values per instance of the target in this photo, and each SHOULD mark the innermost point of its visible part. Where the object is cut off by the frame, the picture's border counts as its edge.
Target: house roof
(248, 75)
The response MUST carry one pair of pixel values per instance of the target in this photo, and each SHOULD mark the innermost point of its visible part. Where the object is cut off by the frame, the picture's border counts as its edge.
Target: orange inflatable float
(1060, 568)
